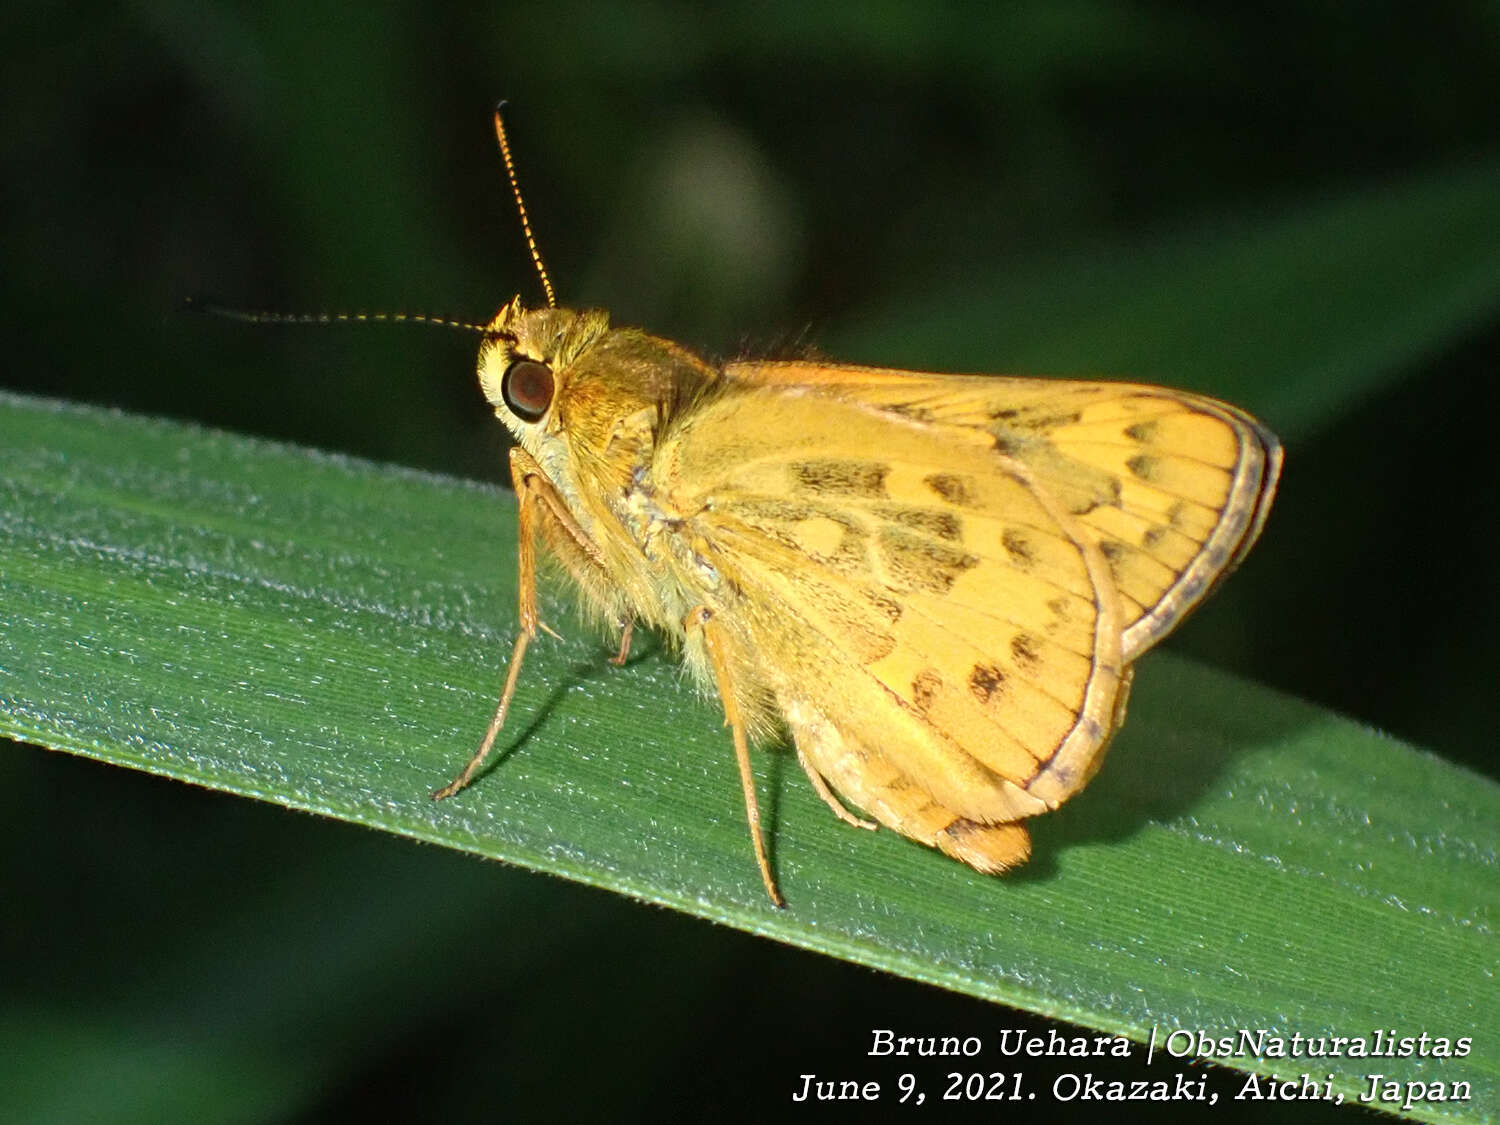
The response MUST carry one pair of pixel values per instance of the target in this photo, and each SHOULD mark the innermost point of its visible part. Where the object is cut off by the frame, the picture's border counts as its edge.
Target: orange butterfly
(936, 583)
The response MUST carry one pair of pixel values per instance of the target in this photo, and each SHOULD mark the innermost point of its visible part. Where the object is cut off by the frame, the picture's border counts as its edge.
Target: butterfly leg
(820, 787)
(627, 627)
(702, 618)
(541, 510)
(476, 763)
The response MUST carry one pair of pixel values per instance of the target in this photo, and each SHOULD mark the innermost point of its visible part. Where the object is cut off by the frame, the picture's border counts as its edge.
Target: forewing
(1173, 487)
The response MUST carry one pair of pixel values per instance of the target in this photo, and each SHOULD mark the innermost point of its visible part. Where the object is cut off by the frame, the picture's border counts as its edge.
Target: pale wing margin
(916, 583)
(1174, 486)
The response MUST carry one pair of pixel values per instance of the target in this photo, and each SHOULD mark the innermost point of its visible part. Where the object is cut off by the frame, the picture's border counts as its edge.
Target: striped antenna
(515, 187)
(260, 316)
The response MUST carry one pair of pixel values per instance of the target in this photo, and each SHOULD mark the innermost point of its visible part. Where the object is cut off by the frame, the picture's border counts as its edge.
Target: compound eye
(527, 388)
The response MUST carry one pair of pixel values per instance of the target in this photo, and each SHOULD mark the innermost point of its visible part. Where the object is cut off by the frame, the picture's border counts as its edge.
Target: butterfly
(937, 585)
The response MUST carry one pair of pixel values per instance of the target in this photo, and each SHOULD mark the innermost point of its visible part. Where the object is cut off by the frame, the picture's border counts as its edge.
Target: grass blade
(329, 635)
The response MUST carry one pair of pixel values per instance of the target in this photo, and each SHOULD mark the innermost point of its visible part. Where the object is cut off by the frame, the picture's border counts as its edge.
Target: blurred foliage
(865, 178)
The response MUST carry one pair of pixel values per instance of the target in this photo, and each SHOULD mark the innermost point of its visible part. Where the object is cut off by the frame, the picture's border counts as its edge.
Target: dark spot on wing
(1144, 466)
(911, 410)
(1018, 547)
(1062, 774)
(1115, 553)
(986, 681)
(1092, 728)
(852, 556)
(1142, 431)
(1026, 420)
(940, 525)
(1111, 498)
(761, 510)
(912, 562)
(1008, 445)
(841, 478)
(954, 489)
(1024, 650)
(1053, 421)
(925, 686)
(887, 607)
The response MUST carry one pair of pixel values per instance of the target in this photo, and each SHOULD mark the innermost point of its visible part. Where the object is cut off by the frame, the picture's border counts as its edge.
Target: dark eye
(527, 388)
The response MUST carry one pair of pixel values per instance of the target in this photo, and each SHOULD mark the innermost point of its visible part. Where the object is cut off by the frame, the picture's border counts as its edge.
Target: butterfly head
(524, 360)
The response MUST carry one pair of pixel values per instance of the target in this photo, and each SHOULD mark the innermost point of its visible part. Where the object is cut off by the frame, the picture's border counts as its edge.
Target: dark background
(768, 176)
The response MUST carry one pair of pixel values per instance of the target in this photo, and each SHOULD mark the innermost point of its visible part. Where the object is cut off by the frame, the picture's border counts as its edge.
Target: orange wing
(1173, 487)
(968, 645)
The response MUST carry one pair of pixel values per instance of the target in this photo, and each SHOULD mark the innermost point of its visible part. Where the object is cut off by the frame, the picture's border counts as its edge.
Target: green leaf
(330, 635)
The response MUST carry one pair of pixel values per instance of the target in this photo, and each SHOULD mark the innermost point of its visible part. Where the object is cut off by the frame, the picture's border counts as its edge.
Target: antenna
(259, 316)
(515, 187)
